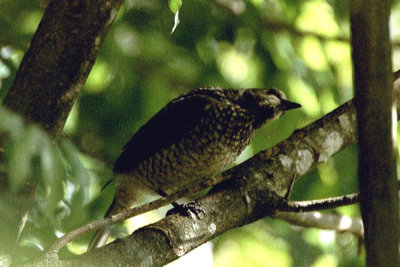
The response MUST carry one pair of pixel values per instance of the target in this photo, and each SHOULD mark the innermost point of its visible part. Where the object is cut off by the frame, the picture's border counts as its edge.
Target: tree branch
(290, 211)
(61, 242)
(320, 204)
(59, 59)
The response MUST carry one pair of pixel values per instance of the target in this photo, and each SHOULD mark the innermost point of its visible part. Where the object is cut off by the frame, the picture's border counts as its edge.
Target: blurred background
(300, 47)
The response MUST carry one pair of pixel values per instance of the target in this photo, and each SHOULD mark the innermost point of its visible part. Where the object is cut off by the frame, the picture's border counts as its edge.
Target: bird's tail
(126, 195)
(101, 236)
(99, 239)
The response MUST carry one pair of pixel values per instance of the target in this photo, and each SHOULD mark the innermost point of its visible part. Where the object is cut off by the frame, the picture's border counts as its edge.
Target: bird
(192, 138)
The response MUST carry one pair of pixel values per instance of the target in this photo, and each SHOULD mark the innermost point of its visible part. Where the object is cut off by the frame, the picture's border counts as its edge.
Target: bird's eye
(273, 91)
(279, 94)
(248, 97)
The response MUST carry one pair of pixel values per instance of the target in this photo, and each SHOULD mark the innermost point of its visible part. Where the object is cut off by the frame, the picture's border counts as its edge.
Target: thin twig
(68, 237)
(320, 204)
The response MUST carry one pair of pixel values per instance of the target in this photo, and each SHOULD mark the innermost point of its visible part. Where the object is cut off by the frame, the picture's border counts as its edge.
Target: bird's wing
(168, 126)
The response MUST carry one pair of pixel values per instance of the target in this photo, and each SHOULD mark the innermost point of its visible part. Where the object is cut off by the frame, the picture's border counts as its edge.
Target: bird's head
(266, 104)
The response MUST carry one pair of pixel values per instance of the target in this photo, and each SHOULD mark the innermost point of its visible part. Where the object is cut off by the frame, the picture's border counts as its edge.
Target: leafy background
(291, 45)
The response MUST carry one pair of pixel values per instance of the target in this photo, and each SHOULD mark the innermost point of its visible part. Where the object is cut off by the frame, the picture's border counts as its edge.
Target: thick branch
(376, 113)
(59, 59)
(289, 206)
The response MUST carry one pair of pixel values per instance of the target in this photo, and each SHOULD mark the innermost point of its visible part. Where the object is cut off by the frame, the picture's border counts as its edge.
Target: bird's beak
(286, 105)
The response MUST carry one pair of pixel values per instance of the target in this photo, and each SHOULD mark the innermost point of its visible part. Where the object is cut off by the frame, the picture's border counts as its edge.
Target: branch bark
(376, 116)
(59, 59)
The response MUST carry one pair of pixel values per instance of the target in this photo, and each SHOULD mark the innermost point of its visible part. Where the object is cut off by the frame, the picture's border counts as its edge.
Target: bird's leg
(163, 194)
(188, 209)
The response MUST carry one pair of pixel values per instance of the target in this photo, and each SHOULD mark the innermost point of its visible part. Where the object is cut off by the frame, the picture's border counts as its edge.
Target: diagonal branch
(59, 59)
(122, 216)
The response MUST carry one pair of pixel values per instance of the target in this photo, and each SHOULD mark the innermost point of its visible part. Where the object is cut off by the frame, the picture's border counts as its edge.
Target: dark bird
(192, 138)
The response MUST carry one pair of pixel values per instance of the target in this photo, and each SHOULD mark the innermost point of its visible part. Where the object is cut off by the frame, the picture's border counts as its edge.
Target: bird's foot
(191, 209)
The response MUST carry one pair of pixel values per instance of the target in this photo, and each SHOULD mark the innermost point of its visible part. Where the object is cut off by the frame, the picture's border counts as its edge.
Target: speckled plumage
(195, 136)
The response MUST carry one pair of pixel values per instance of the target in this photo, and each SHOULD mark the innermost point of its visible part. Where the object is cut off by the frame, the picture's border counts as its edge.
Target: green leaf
(11, 123)
(78, 174)
(174, 5)
(22, 156)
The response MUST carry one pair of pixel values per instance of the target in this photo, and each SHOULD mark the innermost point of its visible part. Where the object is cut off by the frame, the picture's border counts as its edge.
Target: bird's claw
(191, 209)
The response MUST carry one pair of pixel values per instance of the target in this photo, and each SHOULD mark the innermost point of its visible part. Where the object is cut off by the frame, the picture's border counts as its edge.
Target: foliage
(142, 67)
(56, 172)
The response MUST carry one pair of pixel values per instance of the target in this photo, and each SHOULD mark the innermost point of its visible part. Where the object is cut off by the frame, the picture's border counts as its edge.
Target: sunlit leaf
(174, 5)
